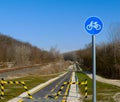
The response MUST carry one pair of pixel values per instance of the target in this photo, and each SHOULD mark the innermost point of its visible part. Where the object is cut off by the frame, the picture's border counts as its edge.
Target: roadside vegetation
(17, 53)
(107, 56)
(105, 92)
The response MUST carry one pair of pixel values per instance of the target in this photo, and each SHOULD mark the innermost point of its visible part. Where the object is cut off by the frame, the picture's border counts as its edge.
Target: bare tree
(115, 41)
(22, 55)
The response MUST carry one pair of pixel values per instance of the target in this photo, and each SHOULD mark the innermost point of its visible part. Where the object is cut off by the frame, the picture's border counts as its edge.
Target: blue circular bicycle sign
(93, 25)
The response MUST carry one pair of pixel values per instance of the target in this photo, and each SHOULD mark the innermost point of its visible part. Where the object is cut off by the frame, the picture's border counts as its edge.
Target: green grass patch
(14, 90)
(105, 92)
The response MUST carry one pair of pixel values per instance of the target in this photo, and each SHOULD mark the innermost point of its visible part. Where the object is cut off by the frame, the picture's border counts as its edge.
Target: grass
(105, 92)
(12, 91)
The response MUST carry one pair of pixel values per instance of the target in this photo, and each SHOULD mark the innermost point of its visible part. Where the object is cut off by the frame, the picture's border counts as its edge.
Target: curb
(73, 96)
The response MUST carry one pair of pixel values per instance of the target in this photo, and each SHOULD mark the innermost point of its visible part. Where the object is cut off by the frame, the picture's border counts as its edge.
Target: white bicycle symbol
(93, 25)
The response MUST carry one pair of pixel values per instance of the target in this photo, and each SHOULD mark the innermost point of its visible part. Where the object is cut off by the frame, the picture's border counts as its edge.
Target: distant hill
(21, 53)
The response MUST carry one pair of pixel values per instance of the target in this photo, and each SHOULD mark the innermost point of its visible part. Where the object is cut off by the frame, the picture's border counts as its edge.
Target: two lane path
(47, 93)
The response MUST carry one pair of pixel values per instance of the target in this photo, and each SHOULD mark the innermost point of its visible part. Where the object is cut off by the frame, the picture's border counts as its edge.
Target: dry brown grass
(54, 68)
(51, 68)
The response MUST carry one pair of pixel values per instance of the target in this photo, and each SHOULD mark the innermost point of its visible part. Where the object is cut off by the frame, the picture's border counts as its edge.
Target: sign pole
(93, 25)
(94, 67)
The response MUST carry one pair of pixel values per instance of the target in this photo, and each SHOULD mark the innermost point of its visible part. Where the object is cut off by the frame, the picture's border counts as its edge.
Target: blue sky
(56, 23)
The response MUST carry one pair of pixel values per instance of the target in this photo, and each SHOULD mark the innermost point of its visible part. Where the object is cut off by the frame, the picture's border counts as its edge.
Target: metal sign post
(93, 26)
(94, 67)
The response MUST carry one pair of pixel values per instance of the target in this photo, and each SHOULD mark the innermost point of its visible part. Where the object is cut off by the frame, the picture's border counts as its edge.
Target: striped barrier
(86, 88)
(69, 83)
(3, 82)
(59, 91)
(2, 89)
(64, 99)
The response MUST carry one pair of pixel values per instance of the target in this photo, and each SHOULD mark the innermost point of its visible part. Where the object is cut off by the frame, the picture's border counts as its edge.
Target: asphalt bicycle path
(47, 93)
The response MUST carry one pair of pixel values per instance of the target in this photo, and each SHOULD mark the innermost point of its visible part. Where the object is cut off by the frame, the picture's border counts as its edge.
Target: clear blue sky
(56, 23)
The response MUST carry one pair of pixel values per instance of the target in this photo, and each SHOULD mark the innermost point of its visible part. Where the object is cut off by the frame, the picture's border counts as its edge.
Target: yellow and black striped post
(66, 92)
(2, 89)
(69, 83)
(24, 86)
(59, 91)
(86, 88)
(2, 82)
(26, 89)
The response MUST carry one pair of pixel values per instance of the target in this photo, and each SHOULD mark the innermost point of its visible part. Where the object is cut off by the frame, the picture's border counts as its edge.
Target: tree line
(107, 56)
(21, 53)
